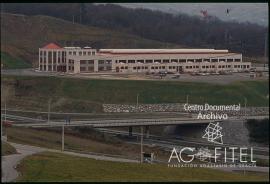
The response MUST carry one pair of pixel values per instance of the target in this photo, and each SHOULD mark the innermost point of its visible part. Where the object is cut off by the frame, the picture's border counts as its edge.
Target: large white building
(79, 60)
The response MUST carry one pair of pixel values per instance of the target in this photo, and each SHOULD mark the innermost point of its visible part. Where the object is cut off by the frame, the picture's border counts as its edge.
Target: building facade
(82, 60)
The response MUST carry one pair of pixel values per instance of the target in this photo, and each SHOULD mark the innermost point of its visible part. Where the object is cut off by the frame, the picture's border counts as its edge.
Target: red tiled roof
(51, 46)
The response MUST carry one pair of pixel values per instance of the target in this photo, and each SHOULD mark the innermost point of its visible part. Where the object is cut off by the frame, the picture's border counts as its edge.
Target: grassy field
(10, 62)
(86, 95)
(7, 149)
(84, 141)
(48, 166)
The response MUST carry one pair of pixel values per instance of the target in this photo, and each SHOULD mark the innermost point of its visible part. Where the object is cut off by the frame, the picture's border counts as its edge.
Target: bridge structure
(130, 122)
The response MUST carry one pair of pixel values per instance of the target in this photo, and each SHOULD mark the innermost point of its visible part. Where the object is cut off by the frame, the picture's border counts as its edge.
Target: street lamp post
(63, 137)
(49, 110)
(138, 99)
(141, 144)
(245, 107)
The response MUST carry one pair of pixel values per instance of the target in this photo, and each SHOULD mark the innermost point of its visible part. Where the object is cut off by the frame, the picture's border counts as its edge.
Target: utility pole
(138, 99)
(5, 110)
(245, 107)
(265, 45)
(63, 137)
(141, 144)
(49, 110)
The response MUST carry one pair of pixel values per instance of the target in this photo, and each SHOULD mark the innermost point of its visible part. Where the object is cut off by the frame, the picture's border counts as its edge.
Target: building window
(90, 61)
(93, 53)
(174, 60)
(152, 67)
(140, 61)
(229, 60)
(222, 60)
(214, 60)
(131, 61)
(148, 61)
(146, 67)
(237, 60)
(84, 53)
(82, 69)
(163, 67)
(89, 53)
(182, 61)
(134, 68)
(203, 66)
(166, 61)
(157, 61)
(190, 60)
(83, 62)
(90, 68)
(198, 60)
(74, 53)
(206, 60)
(70, 53)
(100, 61)
(122, 61)
(126, 67)
(247, 66)
(197, 66)
(170, 67)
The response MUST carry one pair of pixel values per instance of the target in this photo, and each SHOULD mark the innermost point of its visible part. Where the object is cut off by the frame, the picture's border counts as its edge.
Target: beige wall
(74, 61)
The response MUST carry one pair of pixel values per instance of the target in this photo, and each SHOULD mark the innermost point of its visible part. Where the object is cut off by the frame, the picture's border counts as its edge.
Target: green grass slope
(7, 149)
(21, 36)
(88, 95)
(59, 167)
(10, 62)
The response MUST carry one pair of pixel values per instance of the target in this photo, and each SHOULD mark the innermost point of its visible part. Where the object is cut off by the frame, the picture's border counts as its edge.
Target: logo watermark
(212, 156)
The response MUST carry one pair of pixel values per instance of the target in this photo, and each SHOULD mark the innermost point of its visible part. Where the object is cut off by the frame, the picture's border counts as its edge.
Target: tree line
(182, 29)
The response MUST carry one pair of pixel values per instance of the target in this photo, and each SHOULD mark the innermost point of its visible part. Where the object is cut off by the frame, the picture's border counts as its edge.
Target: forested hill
(155, 25)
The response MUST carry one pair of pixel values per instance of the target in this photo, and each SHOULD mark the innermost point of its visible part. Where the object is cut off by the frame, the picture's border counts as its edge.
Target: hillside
(183, 29)
(82, 95)
(21, 36)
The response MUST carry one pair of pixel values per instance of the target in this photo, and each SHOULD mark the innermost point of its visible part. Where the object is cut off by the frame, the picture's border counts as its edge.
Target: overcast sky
(242, 12)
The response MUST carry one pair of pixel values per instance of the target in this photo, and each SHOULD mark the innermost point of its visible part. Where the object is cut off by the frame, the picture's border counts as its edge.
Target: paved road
(132, 122)
(9, 163)
(215, 79)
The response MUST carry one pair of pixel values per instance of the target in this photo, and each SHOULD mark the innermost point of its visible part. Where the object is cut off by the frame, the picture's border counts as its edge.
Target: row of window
(187, 67)
(44, 53)
(177, 61)
(92, 68)
(87, 62)
(82, 53)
